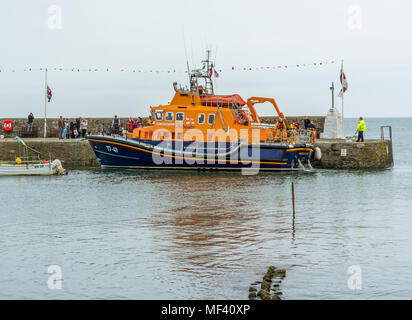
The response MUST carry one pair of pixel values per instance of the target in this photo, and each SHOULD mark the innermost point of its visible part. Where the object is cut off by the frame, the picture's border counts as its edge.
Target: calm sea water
(189, 235)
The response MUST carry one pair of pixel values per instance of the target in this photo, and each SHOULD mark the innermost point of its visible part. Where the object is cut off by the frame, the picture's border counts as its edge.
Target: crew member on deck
(293, 132)
(280, 125)
(280, 128)
(311, 127)
(361, 129)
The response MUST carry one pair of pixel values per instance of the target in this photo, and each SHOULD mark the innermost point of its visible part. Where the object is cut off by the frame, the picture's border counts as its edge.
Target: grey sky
(149, 34)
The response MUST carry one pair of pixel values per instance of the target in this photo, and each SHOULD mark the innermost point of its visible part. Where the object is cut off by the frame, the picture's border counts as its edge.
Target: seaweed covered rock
(270, 286)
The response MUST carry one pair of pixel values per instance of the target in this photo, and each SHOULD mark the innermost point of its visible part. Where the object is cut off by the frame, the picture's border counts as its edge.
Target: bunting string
(171, 70)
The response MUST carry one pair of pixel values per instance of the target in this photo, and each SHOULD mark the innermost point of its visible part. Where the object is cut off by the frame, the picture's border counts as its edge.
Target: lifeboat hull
(118, 152)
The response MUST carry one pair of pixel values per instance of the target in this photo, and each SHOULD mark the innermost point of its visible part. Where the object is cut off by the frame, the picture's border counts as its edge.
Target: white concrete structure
(333, 125)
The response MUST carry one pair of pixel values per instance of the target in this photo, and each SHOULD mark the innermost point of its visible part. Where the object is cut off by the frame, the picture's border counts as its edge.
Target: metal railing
(289, 137)
(383, 132)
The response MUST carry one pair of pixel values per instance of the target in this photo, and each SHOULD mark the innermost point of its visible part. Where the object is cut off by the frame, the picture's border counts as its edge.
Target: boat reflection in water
(214, 224)
(204, 131)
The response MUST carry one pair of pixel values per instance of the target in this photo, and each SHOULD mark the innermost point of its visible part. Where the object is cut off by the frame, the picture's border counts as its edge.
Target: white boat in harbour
(25, 166)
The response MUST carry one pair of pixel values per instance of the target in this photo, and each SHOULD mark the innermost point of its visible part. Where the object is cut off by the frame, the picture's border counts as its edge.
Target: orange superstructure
(198, 111)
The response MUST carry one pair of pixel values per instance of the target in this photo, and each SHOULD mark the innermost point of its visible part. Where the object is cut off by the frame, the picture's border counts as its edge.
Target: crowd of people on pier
(74, 129)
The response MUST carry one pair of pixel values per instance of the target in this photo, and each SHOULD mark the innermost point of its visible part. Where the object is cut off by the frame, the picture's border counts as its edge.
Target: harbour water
(189, 235)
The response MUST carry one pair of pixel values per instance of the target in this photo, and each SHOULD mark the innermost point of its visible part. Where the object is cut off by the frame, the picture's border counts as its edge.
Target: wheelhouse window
(159, 115)
(169, 116)
(201, 118)
(211, 119)
(180, 116)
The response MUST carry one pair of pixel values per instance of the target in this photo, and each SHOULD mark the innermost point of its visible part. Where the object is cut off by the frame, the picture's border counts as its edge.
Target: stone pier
(345, 154)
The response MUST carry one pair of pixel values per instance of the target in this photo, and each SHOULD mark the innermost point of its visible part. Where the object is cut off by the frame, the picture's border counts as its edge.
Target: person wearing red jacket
(130, 125)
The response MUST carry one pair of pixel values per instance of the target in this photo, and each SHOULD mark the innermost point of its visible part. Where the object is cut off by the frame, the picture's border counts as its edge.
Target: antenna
(215, 57)
(193, 59)
(187, 61)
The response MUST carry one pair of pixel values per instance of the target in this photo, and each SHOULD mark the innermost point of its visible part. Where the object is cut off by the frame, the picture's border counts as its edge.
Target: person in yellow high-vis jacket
(361, 129)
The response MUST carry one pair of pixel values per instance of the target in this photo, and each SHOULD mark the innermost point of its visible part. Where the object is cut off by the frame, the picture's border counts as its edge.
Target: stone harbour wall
(94, 125)
(341, 154)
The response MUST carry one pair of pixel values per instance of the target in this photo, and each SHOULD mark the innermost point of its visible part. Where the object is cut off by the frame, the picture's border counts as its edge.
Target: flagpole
(343, 93)
(45, 104)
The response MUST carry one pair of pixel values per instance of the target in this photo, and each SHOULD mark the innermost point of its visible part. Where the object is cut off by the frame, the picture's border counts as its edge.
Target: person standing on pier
(306, 122)
(83, 127)
(61, 127)
(30, 120)
(361, 129)
(65, 128)
(78, 120)
(72, 126)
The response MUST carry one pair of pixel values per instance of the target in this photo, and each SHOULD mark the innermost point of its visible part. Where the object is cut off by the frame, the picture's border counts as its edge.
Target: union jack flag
(49, 93)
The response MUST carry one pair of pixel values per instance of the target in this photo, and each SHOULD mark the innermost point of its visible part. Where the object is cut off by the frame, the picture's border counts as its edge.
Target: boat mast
(206, 76)
(196, 74)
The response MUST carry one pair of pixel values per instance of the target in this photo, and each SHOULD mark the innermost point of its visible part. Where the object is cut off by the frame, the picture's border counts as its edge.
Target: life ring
(241, 118)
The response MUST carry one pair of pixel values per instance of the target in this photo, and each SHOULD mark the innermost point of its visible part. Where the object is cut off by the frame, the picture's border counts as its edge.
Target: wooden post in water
(293, 198)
